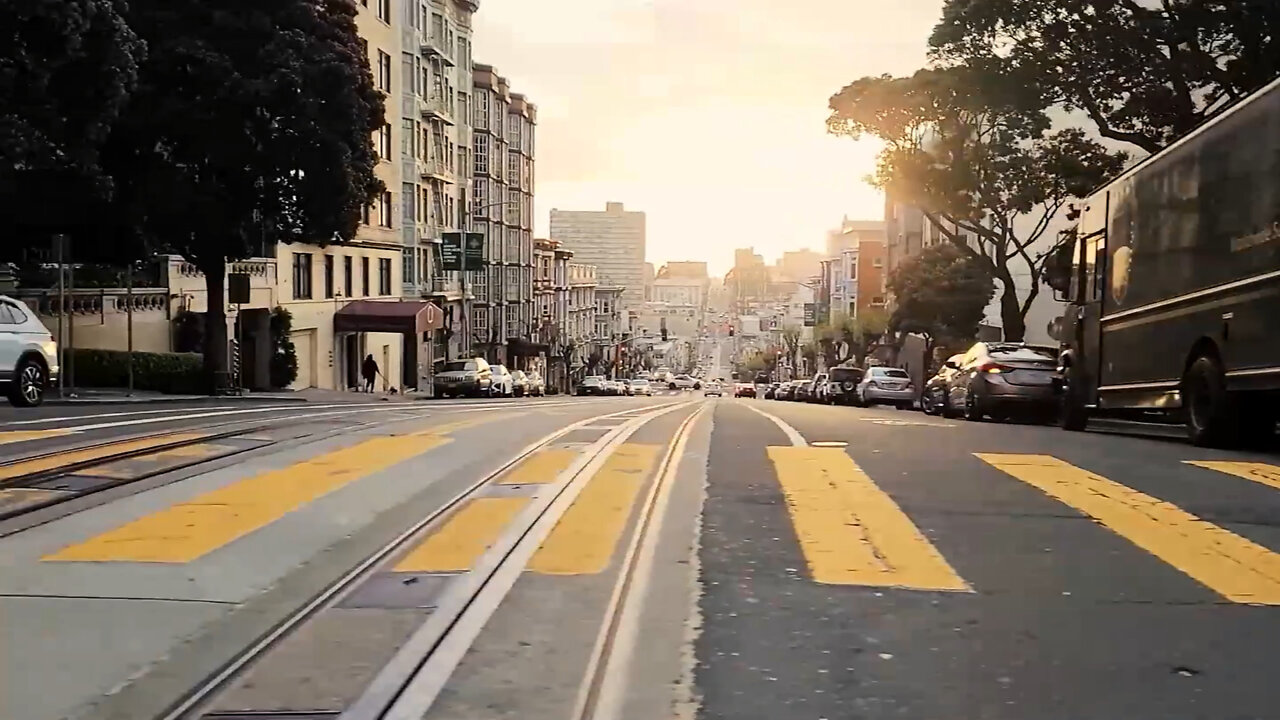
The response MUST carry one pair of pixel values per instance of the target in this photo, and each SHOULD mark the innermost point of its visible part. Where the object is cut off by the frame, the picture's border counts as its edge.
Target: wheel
(972, 408)
(927, 404)
(1072, 414)
(28, 385)
(1207, 405)
(697, 386)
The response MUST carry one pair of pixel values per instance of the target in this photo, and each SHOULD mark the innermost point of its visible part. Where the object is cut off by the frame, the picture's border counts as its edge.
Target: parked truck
(1173, 284)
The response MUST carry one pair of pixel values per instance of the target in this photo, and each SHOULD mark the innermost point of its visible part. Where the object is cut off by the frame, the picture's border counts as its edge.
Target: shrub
(284, 358)
(162, 372)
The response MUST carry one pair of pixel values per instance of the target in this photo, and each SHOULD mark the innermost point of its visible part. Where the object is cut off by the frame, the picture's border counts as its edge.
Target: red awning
(397, 316)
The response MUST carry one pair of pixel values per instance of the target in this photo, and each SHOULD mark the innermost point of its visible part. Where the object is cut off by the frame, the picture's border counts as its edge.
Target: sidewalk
(90, 396)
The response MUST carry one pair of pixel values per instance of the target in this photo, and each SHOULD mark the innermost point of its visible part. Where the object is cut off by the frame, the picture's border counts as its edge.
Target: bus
(1172, 285)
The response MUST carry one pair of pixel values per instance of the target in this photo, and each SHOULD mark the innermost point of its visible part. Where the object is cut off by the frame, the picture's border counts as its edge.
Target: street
(619, 557)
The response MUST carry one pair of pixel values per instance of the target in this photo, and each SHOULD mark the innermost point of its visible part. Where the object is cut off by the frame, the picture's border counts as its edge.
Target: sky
(708, 115)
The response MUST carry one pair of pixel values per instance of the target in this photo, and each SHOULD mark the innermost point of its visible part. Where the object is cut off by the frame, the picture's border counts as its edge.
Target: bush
(162, 372)
(284, 357)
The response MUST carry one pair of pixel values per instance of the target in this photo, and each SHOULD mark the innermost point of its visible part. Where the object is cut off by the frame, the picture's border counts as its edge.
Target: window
(481, 154)
(877, 262)
(513, 206)
(302, 276)
(513, 129)
(328, 276)
(364, 276)
(479, 195)
(464, 108)
(364, 215)
(513, 167)
(346, 276)
(384, 142)
(384, 276)
(384, 10)
(482, 109)
(464, 55)
(384, 72)
(408, 266)
(384, 210)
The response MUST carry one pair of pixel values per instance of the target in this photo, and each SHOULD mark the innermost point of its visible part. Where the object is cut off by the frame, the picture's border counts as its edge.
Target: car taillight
(993, 368)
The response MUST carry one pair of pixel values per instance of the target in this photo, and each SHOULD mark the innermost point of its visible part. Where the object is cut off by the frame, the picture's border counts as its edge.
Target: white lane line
(792, 434)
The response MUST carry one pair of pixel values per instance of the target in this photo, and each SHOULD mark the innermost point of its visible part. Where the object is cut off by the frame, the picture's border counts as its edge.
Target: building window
(302, 276)
(481, 154)
(479, 196)
(513, 129)
(346, 276)
(328, 276)
(364, 276)
(384, 210)
(384, 72)
(513, 167)
(482, 108)
(384, 10)
(384, 142)
(877, 262)
(384, 276)
(365, 217)
(409, 196)
(408, 267)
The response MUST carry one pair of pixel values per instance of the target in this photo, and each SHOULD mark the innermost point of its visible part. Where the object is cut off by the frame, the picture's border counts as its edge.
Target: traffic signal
(730, 332)
(664, 334)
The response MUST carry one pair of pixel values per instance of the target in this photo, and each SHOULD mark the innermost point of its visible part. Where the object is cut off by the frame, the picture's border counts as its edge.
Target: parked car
(473, 378)
(818, 388)
(772, 390)
(625, 384)
(933, 398)
(1000, 380)
(519, 383)
(801, 393)
(591, 385)
(684, 382)
(641, 386)
(744, 390)
(841, 384)
(28, 354)
(785, 391)
(885, 386)
(504, 385)
(713, 388)
(534, 384)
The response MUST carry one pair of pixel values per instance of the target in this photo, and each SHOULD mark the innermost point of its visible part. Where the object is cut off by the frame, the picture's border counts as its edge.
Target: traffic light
(730, 332)
(664, 334)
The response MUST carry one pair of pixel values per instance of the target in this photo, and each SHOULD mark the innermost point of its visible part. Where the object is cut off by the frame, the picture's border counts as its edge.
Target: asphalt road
(699, 558)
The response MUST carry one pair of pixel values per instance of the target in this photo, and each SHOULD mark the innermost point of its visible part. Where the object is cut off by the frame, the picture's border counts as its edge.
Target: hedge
(162, 372)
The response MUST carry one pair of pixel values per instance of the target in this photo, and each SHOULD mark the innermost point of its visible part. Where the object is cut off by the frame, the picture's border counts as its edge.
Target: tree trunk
(1011, 314)
(215, 326)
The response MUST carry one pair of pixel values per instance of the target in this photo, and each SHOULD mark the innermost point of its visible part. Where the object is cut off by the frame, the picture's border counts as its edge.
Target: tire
(1208, 407)
(973, 411)
(29, 383)
(1072, 414)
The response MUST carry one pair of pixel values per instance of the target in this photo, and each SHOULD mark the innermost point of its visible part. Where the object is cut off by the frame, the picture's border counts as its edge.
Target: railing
(438, 106)
(438, 168)
(95, 301)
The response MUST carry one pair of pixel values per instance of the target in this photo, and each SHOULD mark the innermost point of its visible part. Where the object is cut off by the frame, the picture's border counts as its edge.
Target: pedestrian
(369, 369)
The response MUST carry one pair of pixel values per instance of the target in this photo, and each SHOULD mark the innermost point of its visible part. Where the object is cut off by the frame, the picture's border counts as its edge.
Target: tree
(252, 124)
(791, 344)
(284, 357)
(1144, 72)
(940, 293)
(851, 337)
(973, 150)
(66, 69)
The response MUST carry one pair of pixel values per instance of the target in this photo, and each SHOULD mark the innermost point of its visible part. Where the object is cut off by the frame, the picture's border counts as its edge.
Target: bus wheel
(1072, 415)
(1207, 404)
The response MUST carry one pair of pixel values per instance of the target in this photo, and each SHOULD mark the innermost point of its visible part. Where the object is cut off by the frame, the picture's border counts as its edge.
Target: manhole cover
(829, 443)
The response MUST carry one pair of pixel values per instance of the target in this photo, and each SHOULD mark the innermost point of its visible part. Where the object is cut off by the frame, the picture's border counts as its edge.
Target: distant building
(613, 241)
(797, 265)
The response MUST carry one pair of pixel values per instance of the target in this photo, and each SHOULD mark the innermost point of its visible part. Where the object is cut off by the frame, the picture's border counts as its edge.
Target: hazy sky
(706, 114)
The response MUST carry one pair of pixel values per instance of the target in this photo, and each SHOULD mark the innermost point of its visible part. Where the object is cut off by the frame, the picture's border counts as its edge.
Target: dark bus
(1173, 284)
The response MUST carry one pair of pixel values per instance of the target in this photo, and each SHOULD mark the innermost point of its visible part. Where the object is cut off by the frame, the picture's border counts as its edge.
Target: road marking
(17, 436)
(851, 531)
(55, 461)
(204, 412)
(1268, 475)
(18, 498)
(466, 536)
(1237, 569)
(584, 538)
(540, 468)
(792, 434)
(132, 467)
(186, 531)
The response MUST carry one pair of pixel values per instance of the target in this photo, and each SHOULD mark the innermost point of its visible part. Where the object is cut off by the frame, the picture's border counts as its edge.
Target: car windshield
(460, 365)
(890, 372)
(844, 374)
(1029, 353)
(640, 383)
(500, 369)
(591, 380)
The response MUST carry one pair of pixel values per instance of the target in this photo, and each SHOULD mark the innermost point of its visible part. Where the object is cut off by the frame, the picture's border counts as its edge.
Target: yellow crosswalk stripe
(186, 531)
(540, 468)
(583, 540)
(1236, 568)
(466, 535)
(851, 531)
(1268, 475)
(15, 436)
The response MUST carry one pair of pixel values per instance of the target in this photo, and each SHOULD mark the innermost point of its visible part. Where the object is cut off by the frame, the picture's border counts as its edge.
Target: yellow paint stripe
(53, 462)
(539, 468)
(1237, 569)
(15, 436)
(466, 536)
(1268, 475)
(18, 498)
(186, 531)
(583, 540)
(851, 531)
(133, 467)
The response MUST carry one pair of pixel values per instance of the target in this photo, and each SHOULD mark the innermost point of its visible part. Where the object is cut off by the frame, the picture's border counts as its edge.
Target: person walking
(369, 369)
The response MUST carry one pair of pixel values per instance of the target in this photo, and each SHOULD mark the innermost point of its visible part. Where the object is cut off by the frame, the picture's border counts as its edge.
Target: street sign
(473, 252)
(451, 251)
(238, 288)
(810, 314)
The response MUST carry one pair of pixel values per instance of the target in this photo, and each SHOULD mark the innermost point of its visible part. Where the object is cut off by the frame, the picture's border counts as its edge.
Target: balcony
(438, 170)
(437, 107)
(433, 44)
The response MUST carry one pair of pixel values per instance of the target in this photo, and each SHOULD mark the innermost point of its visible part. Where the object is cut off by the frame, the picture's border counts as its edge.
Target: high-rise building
(502, 209)
(435, 160)
(613, 241)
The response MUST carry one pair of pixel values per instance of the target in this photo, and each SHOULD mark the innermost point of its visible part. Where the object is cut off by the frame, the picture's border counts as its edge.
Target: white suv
(28, 354)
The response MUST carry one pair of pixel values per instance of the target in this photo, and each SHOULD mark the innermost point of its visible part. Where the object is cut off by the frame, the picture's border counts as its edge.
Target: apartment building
(506, 320)
(855, 273)
(613, 241)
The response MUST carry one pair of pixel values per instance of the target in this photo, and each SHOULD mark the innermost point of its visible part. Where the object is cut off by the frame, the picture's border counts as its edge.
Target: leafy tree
(284, 357)
(66, 69)
(252, 124)
(1144, 72)
(974, 151)
(940, 293)
(849, 337)
(791, 344)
